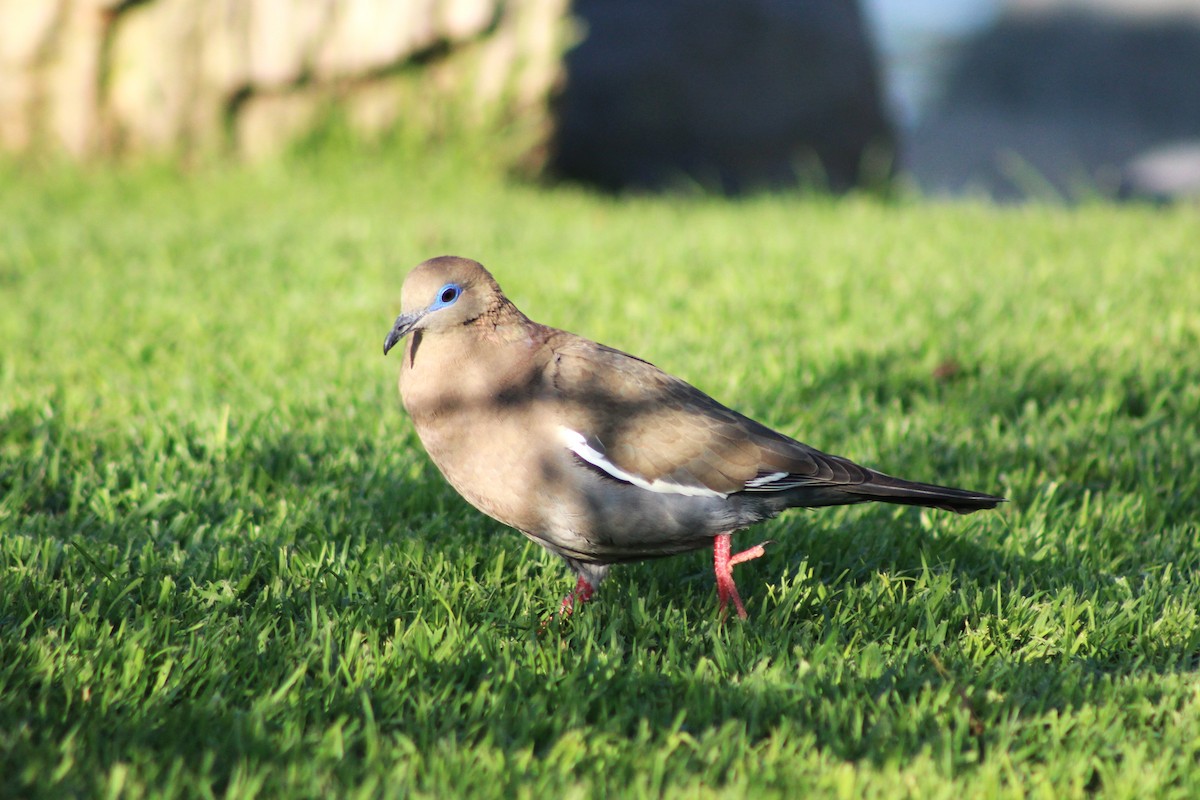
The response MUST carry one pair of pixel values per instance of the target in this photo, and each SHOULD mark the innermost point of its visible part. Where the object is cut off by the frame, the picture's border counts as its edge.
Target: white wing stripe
(577, 443)
(765, 479)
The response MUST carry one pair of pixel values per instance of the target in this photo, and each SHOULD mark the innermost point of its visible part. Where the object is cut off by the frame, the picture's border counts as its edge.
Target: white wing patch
(577, 443)
(763, 480)
(778, 482)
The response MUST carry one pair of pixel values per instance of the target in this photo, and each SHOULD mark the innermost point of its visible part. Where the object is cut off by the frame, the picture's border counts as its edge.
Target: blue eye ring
(447, 295)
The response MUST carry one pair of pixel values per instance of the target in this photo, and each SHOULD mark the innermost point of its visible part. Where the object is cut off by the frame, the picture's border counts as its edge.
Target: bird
(597, 455)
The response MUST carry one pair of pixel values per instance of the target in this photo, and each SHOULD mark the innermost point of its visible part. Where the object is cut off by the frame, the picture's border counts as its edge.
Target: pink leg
(723, 565)
(582, 593)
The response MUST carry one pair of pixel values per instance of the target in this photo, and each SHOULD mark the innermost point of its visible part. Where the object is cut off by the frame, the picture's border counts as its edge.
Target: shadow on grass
(612, 671)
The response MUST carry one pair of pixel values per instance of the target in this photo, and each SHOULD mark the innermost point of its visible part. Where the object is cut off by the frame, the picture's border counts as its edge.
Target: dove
(595, 454)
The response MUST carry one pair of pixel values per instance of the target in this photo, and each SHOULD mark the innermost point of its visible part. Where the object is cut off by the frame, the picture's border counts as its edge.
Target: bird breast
(478, 410)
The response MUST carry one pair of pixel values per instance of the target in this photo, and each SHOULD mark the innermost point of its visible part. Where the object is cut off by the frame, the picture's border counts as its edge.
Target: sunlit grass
(227, 567)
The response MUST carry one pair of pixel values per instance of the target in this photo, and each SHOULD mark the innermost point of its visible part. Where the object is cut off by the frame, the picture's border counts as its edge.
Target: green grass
(228, 569)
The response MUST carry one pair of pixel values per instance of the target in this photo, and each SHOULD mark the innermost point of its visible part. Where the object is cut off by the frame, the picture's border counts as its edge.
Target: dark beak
(404, 324)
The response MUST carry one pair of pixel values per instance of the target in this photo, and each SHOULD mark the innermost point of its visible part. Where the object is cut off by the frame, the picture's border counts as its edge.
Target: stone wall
(192, 77)
(733, 96)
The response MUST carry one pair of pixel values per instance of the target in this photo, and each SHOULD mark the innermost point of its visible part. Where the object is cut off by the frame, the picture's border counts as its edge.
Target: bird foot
(723, 564)
(582, 592)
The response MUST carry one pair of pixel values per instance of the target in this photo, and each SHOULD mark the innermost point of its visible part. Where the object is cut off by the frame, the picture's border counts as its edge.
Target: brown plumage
(597, 455)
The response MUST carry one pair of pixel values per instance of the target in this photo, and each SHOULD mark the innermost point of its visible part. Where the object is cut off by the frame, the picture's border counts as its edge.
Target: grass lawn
(228, 569)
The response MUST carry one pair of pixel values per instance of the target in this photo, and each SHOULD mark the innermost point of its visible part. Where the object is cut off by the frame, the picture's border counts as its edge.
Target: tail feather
(886, 489)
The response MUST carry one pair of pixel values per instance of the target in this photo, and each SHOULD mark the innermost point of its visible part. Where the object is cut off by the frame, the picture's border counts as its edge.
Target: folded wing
(634, 422)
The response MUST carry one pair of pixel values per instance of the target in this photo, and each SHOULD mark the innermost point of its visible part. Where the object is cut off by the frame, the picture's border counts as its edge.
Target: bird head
(443, 293)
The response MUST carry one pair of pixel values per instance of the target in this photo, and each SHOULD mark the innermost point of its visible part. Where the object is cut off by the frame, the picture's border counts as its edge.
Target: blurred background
(1009, 99)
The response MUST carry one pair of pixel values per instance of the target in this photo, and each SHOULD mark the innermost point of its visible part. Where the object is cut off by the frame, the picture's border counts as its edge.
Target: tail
(886, 489)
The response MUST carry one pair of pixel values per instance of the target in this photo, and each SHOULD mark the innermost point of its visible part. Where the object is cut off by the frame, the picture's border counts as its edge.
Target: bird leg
(582, 592)
(723, 564)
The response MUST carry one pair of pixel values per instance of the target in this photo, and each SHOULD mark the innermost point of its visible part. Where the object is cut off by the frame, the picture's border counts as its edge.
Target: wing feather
(659, 431)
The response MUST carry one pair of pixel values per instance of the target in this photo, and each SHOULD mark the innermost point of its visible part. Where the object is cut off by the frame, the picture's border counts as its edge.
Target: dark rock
(732, 96)
(1056, 103)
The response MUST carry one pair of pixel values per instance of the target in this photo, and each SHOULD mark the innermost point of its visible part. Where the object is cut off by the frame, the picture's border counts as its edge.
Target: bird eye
(448, 294)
